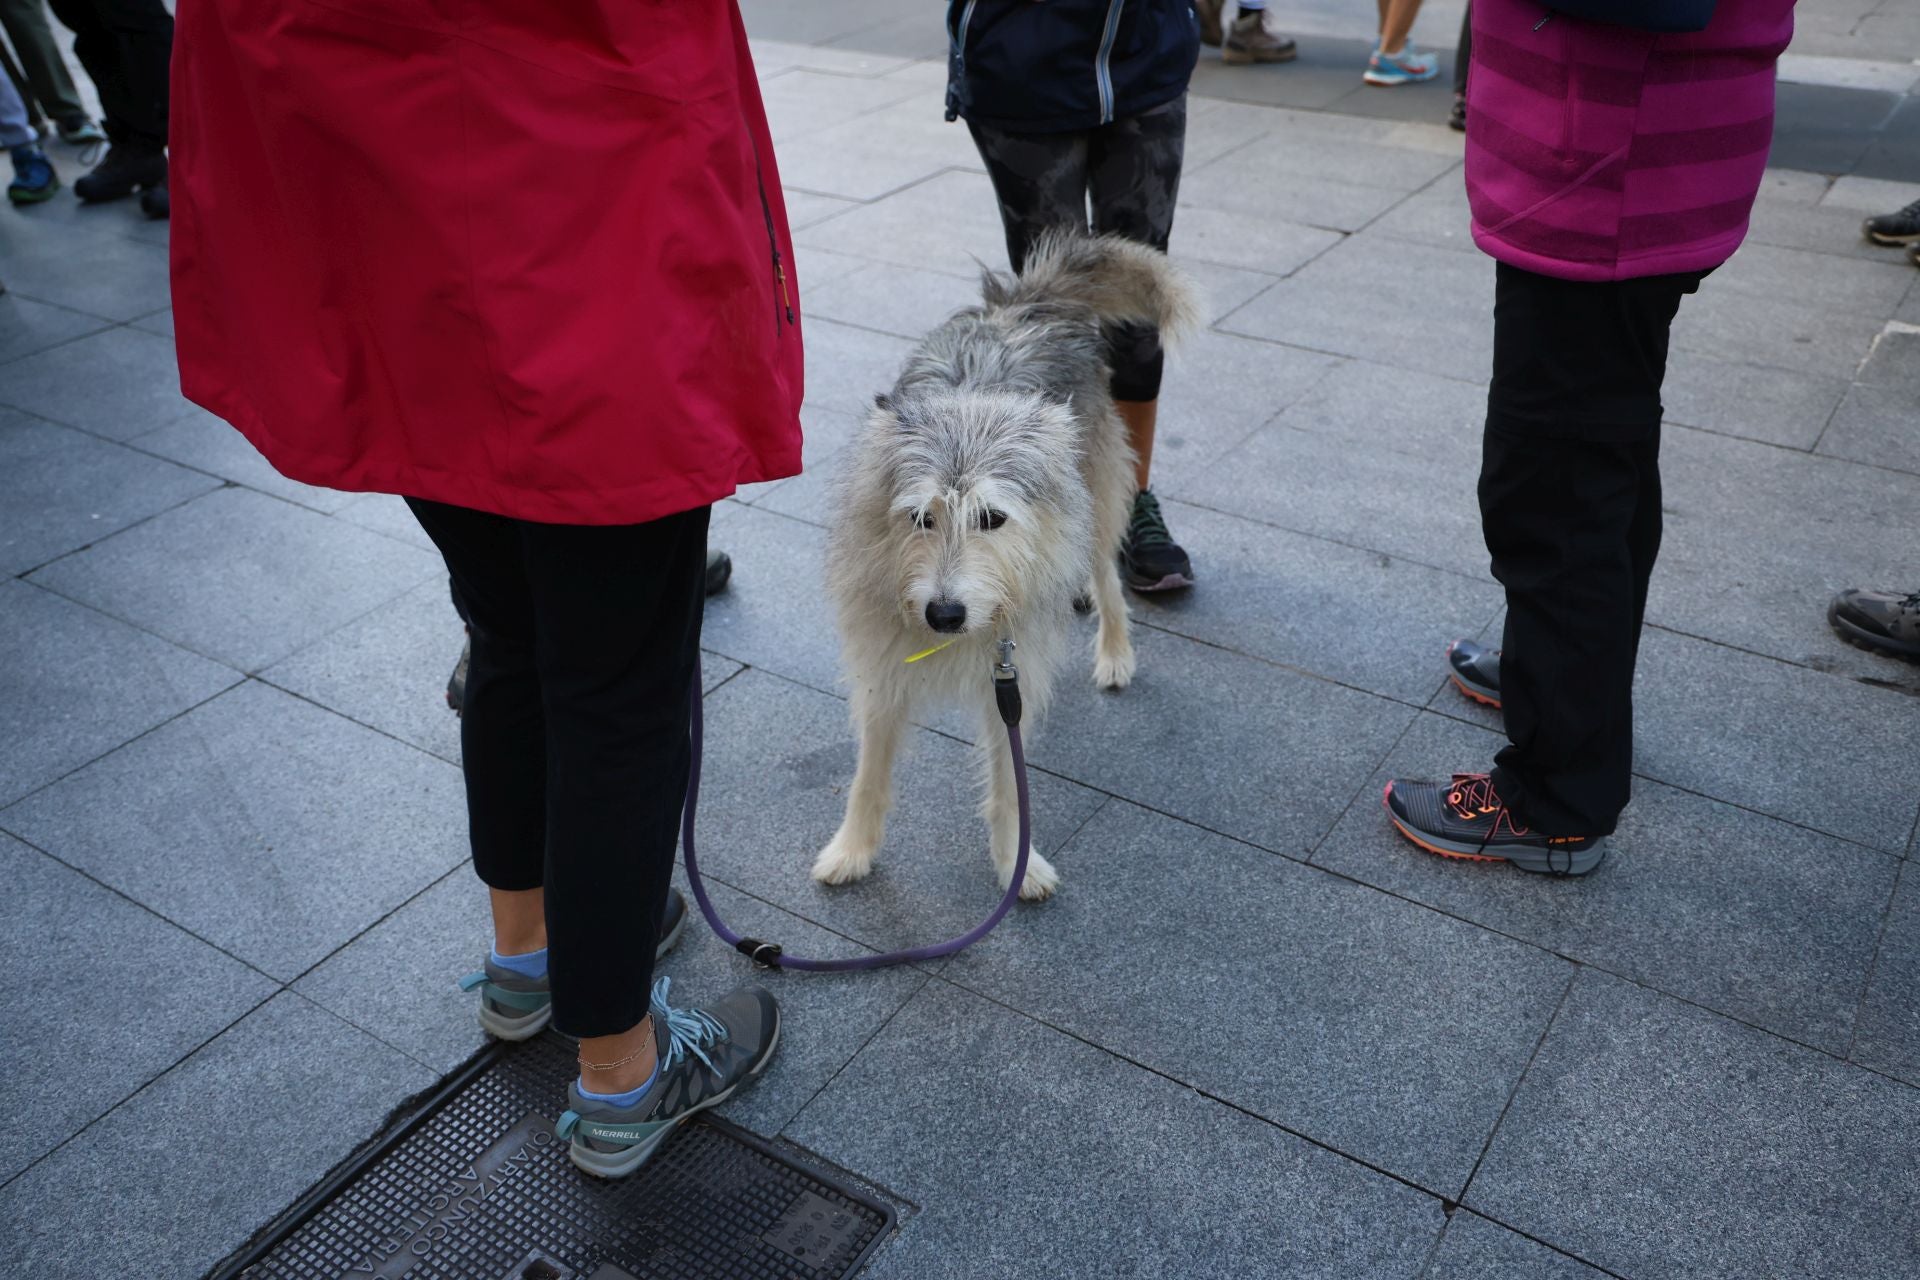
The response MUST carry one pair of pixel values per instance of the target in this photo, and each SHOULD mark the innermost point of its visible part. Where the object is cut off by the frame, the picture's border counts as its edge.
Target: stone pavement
(1256, 1035)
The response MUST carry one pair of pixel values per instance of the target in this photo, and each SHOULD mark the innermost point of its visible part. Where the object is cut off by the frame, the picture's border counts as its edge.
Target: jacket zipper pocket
(1102, 71)
(783, 303)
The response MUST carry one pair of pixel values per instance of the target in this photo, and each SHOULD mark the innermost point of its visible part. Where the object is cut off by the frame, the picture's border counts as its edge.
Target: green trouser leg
(43, 70)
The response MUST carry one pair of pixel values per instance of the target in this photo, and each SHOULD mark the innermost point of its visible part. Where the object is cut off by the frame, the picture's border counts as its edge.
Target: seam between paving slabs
(1873, 965)
(1565, 991)
(114, 533)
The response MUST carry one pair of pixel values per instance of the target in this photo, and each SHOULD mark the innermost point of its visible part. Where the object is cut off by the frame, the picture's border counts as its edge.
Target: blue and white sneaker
(1409, 66)
(514, 1006)
(705, 1057)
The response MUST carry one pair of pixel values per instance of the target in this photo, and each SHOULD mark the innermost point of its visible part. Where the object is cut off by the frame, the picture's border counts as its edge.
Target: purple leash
(1006, 693)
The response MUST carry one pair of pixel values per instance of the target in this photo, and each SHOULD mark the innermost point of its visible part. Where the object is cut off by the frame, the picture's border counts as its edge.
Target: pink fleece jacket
(1602, 153)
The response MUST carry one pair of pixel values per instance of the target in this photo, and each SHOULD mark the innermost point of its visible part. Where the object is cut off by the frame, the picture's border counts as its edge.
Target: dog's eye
(921, 519)
(992, 519)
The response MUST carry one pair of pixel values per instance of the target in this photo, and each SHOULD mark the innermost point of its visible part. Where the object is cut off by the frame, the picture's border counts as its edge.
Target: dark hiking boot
(156, 203)
(1475, 670)
(719, 571)
(1878, 620)
(705, 1055)
(457, 682)
(1899, 227)
(124, 171)
(1150, 560)
(1466, 819)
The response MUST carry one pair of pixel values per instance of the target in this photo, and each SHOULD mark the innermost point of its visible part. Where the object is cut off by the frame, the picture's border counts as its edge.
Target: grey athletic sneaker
(706, 1056)
(1475, 670)
(514, 1007)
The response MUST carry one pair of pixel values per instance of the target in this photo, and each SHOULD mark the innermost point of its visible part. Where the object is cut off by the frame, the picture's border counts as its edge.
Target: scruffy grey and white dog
(987, 490)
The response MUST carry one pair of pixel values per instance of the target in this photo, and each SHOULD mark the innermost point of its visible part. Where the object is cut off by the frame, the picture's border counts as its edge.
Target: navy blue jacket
(1049, 66)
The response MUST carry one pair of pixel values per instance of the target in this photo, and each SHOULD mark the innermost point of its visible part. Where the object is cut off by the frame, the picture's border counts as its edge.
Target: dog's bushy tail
(1122, 280)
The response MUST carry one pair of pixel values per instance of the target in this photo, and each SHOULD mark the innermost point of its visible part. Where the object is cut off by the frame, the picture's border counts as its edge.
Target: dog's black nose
(946, 615)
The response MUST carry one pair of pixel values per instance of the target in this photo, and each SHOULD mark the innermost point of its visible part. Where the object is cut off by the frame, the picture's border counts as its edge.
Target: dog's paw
(1041, 879)
(842, 862)
(1113, 672)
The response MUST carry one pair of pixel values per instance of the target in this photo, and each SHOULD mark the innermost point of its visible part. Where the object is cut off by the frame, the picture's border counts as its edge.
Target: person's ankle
(618, 1064)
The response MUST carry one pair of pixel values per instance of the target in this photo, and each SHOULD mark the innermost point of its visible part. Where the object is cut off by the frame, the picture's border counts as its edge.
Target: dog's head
(982, 503)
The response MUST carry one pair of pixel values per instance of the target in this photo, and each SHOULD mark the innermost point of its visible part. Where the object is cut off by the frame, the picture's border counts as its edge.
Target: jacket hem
(1699, 257)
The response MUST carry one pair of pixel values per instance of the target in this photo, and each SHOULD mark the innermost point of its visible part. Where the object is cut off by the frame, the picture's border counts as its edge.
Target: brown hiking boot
(1208, 11)
(1249, 41)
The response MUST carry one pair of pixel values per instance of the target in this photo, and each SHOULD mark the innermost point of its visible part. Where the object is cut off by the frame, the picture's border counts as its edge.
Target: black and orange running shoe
(1475, 670)
(1466, 819)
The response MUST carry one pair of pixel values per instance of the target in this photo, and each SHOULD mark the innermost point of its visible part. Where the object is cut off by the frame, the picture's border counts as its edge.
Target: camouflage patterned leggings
(1129, 170)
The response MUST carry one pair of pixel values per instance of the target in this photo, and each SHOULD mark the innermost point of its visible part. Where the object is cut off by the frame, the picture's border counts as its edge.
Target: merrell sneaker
(1475, 670)
(516, 1007)
(1466, 819)
(1150, 560)
(1208, 12)
(1901, 227)
(124, 171)
(33, 177)
(1878, 620)
(1409, 66)
(719, 571)
(1248, 40)
(706, 1056)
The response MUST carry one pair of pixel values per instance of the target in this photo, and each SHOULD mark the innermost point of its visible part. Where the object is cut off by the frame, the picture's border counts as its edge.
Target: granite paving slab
(1353, 182)
(1476, 1249)
(802, 101)
(129, 1011)
(193, 1164)
(1893, 363)
(1436, 215)
(771, 56)
(949, 222)
(900, 300)
(1772, 406)
(205, 443)
(1341, 462)
(1819, 750)
(75, 684)
(114, 277)
(389, 514)
(775, 615)
(62, 489)
(239, 576)
(1350, 301)
(118, 383)
(1767, 922)
(1314, 605)
(1044, 1125)
(773, 791)
(160, 322)
(1223, 290)
(1217, 391)
(1856, 287)
(1774, 333)
(1758, 539)
(1380, 1029)
(847, 367)
(1657, 1140)
(264, 824)
(1888, 1036)
(1223, 740)
(804, 208)
(1248, 241)
(27, 326)
(882, 152)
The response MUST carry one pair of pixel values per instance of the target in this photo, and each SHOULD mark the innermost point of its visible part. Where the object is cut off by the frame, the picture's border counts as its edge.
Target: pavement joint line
(926, 979)
(23, 575)
(1873, 964)
(1519, 1082)
(1447, 1208)
(465, 863)
(435, 1072)
(136, 1091)
(1366, 785)
(127, 897)
(335, 711)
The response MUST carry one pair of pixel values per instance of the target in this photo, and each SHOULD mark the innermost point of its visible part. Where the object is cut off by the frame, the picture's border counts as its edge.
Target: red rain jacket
(525, 256)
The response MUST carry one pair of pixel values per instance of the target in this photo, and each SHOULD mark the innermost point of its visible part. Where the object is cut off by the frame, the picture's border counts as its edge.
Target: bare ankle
(618, 1063)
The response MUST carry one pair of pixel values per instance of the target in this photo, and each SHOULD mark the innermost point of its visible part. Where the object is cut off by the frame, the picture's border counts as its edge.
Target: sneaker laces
(689, 1031)
(1148, 528)
(1472, 796)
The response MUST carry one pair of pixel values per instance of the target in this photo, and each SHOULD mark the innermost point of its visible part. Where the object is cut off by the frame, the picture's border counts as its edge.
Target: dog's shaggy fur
(995, 477)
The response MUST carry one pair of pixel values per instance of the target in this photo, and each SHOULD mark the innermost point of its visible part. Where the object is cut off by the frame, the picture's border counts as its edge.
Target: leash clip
(1006, 684)
(765, 955)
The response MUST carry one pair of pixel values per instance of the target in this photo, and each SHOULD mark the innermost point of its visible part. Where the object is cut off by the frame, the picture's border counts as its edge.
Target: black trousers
(125, 46)
(1129, 171)
(573, 733)
(1570, 506)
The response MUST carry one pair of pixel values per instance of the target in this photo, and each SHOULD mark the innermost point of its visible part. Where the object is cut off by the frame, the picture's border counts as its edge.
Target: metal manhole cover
(475, 1186)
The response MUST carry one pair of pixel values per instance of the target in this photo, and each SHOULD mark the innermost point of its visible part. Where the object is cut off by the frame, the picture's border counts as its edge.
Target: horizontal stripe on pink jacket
(1602, 153)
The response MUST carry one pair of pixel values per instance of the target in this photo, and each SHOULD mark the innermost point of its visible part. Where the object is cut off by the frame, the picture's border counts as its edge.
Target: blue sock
(627, 1099)
(533, 964)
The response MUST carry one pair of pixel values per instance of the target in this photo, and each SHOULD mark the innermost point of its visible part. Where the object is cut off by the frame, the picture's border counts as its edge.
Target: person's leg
(1462, 59)
(1396, 22)
(1133, 178)
(41, 65)
(1039, 179)
(618, 613)
(1395, 60)
(125, 45)
(15, 130)
(33, 177)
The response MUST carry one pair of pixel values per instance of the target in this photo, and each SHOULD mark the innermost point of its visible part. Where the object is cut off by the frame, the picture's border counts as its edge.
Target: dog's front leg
(849, 855)
(1113, 659)
(1002, 808)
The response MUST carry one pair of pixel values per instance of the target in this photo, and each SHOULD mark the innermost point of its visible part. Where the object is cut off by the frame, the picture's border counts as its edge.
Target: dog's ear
(881, 402)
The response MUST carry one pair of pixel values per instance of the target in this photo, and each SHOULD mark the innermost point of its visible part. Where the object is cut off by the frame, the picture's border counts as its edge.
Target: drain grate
(474, 1185)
